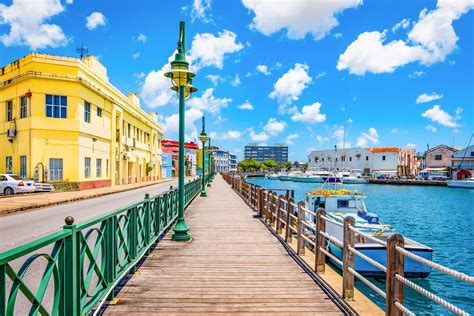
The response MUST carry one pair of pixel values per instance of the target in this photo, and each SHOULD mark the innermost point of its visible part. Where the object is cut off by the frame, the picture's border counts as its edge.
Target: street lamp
(203, 138)
(210, 163)
(181, 78)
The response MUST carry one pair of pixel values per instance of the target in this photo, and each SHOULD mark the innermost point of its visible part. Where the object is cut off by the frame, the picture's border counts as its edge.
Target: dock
(234, 264)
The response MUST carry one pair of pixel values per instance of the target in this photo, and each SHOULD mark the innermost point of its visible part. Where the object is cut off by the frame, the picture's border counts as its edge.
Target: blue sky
(395, 73)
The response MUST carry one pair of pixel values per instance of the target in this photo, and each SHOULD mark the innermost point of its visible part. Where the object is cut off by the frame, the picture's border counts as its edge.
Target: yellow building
(63, 116)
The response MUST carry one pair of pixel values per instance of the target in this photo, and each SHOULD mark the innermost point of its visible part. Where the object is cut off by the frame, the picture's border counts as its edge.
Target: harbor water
(439, 217)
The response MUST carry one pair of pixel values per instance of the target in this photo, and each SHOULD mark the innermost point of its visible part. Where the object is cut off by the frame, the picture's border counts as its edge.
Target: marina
(420, 213)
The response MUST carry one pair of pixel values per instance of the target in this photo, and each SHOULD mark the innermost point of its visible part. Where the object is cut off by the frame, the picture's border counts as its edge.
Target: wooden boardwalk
(233, 265)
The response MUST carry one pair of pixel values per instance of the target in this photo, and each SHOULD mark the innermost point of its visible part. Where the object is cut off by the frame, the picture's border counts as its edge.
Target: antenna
(82, 50)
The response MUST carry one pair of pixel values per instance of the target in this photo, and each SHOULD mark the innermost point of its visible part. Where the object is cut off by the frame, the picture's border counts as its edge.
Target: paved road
(20, 228)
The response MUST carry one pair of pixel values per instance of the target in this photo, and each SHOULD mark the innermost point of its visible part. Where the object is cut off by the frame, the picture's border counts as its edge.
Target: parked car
(12, 184)
(44, 187)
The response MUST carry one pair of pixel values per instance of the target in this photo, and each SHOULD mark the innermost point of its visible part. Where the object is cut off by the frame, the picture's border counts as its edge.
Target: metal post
(289, 219)
(210, 164)
(203, 186)
(320, 257)
(395, 265)
(348, 259)
(300, 241)
(181, 229)
(70, 298)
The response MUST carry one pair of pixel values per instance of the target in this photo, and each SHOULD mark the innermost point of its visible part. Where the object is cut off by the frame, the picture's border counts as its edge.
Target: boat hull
(307, 179)
(413, 269)
(355, 181)
(461, 184)
(332, 180)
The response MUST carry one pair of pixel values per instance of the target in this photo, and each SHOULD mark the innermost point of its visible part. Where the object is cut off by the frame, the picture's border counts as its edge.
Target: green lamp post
(181, 78)
(203, 138)
(210, 162)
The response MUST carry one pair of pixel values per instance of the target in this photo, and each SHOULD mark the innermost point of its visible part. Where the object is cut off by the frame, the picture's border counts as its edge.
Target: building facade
(62, 118)
(232, 162)
(167, 165)
(463, 162)
(221, 160)
(438, 161)
(369, 161)
(190, 156)
(278, 152)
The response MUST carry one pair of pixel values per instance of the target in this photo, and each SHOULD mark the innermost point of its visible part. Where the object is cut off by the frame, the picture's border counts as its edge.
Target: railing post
(278, 214)
(132, 235)
(110, 253)
(70, 263)
(260, 202)
(147, 218)
(157, 209)
(348, 259)
(289, 210)
(300, 241)
(320, 257)
(395, 265)
(269, 203)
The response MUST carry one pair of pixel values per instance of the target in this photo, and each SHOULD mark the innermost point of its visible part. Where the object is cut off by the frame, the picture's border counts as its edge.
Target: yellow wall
(72, 139)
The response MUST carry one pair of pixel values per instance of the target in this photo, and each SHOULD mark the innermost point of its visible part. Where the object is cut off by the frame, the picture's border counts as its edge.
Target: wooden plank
(233, 265)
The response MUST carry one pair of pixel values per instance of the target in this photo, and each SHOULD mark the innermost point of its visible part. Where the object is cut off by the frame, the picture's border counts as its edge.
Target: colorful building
(61, 115)
(437, 161)
(190, 159)
(463, 162)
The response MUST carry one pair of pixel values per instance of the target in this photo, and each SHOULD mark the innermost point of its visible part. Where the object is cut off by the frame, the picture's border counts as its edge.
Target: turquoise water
(439, 217)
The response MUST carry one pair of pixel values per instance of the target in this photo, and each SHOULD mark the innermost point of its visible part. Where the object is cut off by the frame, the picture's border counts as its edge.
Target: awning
(440, 169)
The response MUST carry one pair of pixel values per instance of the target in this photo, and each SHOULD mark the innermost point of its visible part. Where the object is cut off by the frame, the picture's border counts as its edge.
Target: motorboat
(340, 204)
(352, 178)
(467, 183)
(273, 176)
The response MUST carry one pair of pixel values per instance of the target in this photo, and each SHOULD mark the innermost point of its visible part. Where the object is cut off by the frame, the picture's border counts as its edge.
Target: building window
(56, 106)
(23, 107)
(129, 130)
(472, 153)
(55, 169)
(98, 168)
(87, 112)
(99, 112)
(366, 158)
(23, 166)
(383, 157)
(87, 167)
(107, 168)
(350, 158)
(9, 111)
(438, 157)
(9, 164)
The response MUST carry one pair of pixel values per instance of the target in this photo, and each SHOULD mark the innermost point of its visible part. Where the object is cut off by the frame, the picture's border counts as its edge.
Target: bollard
(320, 257)
(300, 241)
(348, 259)
(394, 288)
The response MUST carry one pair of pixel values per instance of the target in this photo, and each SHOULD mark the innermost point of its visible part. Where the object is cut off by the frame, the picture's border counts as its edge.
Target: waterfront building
(62, 118)
(232, 162)
(463, 163)
(167, 169)
(438, 161)
(278, 152)
(392, 161)
(190, 156)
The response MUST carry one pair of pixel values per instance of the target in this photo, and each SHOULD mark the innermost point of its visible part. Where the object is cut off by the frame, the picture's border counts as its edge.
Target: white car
(13, 184)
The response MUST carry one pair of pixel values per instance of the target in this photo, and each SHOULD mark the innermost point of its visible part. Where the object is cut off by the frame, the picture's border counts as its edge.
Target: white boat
(273, 176)
(340, 204)
(465, 184)
(352, 178)
(290, 176)
(311, 177)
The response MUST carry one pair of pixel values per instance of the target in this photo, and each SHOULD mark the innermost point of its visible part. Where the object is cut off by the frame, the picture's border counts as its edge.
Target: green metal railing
(81, 264)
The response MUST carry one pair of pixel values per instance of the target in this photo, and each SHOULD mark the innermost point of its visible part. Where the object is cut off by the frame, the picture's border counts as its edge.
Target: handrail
(271, 209)
(86, 261)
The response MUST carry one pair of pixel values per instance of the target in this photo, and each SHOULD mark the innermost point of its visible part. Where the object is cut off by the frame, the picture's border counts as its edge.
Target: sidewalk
(25, 202)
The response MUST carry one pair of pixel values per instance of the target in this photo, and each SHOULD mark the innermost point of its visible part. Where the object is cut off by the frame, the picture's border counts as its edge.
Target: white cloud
(200, 10)
(135, 55)
(230, 134)
(411, 146)
(309, 114)
(338, 35)
(171, 123)
(298, 17)
(246, 106)
(425, 97)
(395, 131)
(258, 137)
(215, 79)
(431, 128)
(236, 81)
(208, 102)
(140, 75)
(436, 114)
(430, 40)
(405, 23)
(141, 38)
(263, 69)
(289, 86)
(291, 137)
(371, 137)
(274, 127)
(416, 74)
(205, 52)
(321, 139)
(210, 50)
(28, 27)
(94, 20)
(338, 135)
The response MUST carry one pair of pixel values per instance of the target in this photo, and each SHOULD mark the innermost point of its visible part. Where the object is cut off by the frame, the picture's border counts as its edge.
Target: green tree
(286, 165)
(304, 166)
(248, 165)
(270, 164)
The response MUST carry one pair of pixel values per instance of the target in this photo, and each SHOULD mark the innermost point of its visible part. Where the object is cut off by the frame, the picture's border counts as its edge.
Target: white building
(390, 160)
(232, 162)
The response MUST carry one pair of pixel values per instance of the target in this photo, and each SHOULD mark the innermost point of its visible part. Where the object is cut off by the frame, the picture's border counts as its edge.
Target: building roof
(383, 149)
(172, 143)
(454, 149)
